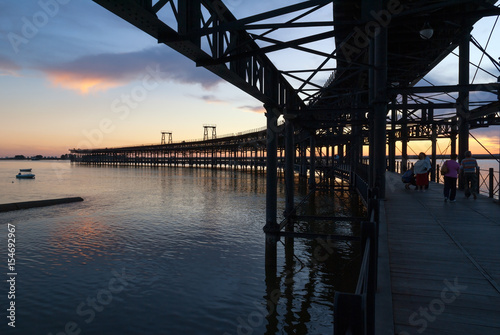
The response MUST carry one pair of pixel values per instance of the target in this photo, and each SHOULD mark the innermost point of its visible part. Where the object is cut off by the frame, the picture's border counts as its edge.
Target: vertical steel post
(380, 107)
(271, 228)
(434, 149)
(303, 160)
(453, 139)
(289, 172)
(356, 144)
(271, 170)
(463, 101)
(371, 115)
(404, 134)
(433, 143)
(312, 165)
(491, 183)
(392, 138)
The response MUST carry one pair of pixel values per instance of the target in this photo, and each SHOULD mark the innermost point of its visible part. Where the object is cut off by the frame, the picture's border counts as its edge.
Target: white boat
(25, 170)
(25, 176)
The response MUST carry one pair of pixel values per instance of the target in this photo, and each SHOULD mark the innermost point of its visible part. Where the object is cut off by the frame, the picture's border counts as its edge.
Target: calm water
(163, 251)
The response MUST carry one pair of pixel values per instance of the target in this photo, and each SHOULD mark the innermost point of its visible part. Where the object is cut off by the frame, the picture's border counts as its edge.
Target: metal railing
(488, 183)
(354, 313)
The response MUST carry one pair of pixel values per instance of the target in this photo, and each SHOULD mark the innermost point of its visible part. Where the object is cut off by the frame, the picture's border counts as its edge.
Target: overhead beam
(486, 87)
(248, 74)
(241, 23)
(295, 44)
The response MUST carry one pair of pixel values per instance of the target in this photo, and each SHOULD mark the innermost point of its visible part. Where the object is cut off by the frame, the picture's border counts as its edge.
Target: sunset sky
(74, 74)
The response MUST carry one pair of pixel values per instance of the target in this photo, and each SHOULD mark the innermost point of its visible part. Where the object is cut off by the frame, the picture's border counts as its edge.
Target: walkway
(444, 261)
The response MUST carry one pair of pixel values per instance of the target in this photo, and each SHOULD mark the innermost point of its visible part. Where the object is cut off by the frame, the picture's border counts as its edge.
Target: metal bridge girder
(255, 74)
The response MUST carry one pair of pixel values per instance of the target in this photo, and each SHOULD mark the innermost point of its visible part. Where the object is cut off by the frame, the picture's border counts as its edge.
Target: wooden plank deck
(444, 261)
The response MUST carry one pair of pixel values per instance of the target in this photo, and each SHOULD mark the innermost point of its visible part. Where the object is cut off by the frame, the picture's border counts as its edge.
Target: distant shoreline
(37, 159)
(481, 156)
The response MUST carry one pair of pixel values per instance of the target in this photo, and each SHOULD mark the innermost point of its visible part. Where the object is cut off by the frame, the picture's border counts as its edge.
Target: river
(164, 251)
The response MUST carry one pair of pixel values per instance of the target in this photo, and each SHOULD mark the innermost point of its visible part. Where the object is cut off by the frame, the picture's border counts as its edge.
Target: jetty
(37, 203)
(444, 261)
(428, 266)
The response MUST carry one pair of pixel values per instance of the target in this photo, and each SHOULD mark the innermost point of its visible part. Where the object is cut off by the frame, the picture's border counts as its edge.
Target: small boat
(25, 170)
(25, 176)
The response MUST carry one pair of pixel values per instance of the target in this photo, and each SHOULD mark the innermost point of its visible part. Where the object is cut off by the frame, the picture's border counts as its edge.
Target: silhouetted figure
(420, 168)
(470, 168)
(450, 178)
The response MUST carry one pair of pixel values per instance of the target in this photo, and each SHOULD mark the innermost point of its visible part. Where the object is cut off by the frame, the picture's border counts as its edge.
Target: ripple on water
(188, 245)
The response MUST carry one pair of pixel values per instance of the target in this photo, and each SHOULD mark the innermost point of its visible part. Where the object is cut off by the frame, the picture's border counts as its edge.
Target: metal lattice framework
(364, 86)
(367, 80)
(237, 50)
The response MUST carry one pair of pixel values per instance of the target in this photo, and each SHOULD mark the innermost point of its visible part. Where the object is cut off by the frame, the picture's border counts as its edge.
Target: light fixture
(426, 32)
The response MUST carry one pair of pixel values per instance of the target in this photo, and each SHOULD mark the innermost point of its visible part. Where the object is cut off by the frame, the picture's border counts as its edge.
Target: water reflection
(300, 289)
(192, 240)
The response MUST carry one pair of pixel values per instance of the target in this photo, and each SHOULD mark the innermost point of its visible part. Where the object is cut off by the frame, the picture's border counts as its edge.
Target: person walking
(470, 168)
(450, 178)
(420, 168)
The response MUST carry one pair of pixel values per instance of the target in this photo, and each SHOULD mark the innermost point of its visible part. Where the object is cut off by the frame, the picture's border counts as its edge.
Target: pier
(427, 266)
(444, 262)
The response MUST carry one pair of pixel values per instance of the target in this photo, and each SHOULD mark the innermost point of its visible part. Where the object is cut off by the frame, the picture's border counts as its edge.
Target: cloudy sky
(82, 75)
(73, 74)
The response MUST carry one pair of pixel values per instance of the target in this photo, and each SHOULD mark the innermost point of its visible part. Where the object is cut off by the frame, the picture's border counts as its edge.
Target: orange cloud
(104, 71)
(255, 109)
(82, 84)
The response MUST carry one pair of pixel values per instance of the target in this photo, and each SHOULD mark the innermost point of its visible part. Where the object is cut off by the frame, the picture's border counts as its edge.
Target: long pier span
(428, 267)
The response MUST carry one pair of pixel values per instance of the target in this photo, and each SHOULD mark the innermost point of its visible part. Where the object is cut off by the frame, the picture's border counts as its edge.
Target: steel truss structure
(368, 85)
(364, 90)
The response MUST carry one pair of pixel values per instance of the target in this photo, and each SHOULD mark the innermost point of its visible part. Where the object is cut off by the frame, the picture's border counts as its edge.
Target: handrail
(487, 183)
(355, 312)
(189, 141)
(361, 287)
(490, 182)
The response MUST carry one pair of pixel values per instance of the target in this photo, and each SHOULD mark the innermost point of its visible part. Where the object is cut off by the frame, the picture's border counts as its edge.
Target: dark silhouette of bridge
(368, 91)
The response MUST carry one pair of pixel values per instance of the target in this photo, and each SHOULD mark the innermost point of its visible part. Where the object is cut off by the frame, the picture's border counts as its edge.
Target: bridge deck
(444, 261)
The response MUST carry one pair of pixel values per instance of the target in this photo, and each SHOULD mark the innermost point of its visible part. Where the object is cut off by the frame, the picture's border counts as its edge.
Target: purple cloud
(7, 66)
(102, 71)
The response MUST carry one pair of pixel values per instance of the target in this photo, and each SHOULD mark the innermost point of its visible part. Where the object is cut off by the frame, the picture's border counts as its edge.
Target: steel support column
(271, 170)
(303, 160)
(392, 138)
(463, 101)
(289, 172)
(312, 165)
(356, 142)
(434, 149)
(371, 115)
(380, 108)
(453, 143)
(404, 134)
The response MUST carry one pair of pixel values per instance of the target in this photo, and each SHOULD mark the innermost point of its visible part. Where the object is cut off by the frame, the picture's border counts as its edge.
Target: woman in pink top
(450, 178)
